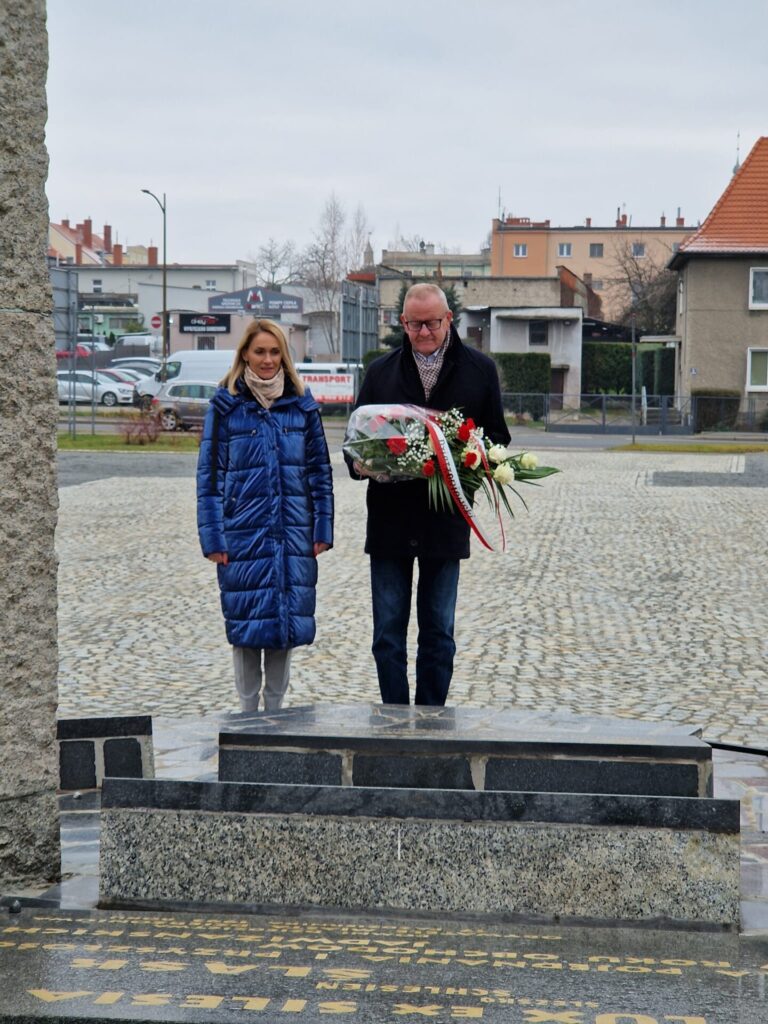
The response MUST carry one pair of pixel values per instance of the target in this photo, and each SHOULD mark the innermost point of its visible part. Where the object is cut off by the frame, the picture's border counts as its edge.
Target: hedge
(524, 372)
(606, 368)
(656, 372)
(715, 408)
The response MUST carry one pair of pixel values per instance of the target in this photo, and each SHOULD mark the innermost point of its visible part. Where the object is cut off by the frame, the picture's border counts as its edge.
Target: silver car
(183, 404)
(81, 386)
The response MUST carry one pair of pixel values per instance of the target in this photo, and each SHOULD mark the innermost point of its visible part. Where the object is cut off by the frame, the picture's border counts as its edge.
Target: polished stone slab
(469, 748)
(212, 967)
(598, 809)
(90, 748)
(458, 730)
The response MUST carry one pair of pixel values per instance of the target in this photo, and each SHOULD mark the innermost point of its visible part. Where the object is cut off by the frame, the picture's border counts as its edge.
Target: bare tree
(357, 239)
(278, 263)
(325, 265)
(642, 286)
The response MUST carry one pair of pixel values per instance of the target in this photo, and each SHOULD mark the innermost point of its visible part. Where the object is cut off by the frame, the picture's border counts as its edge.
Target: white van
(188, 364)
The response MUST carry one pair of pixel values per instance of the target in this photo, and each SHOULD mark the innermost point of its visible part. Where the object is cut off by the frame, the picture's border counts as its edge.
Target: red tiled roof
(739, 221)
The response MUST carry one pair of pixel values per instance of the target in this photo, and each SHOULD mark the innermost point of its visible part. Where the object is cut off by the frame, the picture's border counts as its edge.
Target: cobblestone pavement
(634, 586)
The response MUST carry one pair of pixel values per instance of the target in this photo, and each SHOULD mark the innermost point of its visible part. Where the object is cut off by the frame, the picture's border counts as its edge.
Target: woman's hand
(320, 547)
(219, 557)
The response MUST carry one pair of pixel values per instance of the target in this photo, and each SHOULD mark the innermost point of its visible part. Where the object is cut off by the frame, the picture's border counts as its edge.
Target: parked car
(182, 403)
(120, 374)
(79, 352)
(138, 363)
(188, 364)
(93, 344)
(80, 386)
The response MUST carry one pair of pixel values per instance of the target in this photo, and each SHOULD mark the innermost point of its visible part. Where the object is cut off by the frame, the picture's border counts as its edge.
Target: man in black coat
(432, 368)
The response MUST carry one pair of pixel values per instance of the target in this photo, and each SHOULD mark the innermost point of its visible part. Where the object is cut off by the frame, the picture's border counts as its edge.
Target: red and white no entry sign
(156, 322)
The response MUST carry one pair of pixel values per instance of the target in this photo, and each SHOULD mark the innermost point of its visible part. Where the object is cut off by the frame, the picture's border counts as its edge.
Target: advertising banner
(204, 323)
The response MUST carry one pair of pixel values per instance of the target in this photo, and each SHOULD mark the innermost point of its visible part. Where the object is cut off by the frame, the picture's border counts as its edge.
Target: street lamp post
(166, 325)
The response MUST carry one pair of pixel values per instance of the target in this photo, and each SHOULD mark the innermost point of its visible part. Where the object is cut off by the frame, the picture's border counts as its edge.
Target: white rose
(497, 453)
(504, 473)
(528, 461)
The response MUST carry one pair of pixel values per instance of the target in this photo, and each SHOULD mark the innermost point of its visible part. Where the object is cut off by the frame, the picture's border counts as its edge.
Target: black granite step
(465, 748)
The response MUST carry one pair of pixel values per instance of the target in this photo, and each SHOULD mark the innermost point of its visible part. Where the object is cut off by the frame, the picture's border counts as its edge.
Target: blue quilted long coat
(265, 496)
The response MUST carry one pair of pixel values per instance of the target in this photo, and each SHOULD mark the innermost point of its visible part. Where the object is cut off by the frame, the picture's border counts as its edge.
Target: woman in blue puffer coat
(264, 509)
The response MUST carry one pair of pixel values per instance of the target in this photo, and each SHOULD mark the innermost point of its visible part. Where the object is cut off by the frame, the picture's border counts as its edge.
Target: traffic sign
(156, 322)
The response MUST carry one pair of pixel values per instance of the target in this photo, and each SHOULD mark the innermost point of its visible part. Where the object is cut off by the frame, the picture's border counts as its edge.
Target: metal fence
(647, 414)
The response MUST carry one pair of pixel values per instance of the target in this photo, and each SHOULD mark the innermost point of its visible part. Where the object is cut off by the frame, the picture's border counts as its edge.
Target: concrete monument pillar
(29, 828)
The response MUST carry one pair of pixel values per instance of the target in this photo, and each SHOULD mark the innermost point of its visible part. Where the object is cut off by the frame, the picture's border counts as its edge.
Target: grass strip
(117, 443)
(700, 448)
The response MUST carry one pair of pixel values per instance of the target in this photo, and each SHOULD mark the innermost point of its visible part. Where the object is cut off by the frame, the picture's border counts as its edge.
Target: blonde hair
(238, 363)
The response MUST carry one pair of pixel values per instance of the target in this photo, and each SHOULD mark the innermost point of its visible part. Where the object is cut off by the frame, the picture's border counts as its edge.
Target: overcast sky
(249, 114)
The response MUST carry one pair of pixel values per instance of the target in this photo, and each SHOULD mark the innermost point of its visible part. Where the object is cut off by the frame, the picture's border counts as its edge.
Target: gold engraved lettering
(150, 999)
(104, 931)
(433, 960)
(733, 974)
(624, 1018)
(341, 1007)
(346, 974)
(682, 963)
(293, 1006)
(467, 1011)
(604, 959)
(635, 970)
(55, 997)
(440, 952)
(401, 1009)
(566, 1017)
(219, 968)
(456, 991)
(332, 985)
(201, 1003)
(725, 963)
(293, 972)
(251, 1002)
(471, 963)
(103, 965)
(29, 945)
(163, 966)
(108, 998)
(668, 970)
(165, 935)
(549, 966)
(688, 1020)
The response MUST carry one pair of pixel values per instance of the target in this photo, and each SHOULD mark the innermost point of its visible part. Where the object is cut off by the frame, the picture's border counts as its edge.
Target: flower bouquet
(406, 442)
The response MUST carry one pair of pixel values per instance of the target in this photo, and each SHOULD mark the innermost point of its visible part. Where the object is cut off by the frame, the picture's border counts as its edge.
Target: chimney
(623, 220)
(589, 222)
(107, 238)
(88, 234)
(680, 221)
(78, 253)
(663, 221)
(117, 255)
(618, 216)
(152, 255)
(65, 223)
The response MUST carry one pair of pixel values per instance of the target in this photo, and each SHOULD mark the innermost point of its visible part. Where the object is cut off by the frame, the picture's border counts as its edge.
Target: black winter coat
(400, 522)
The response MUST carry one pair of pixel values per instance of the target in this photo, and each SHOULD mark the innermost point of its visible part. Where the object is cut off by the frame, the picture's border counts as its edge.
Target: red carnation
(428, 469)
(465, 430)
(397, 445)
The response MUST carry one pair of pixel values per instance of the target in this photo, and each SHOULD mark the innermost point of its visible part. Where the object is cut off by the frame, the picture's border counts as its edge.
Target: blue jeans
(391, 586)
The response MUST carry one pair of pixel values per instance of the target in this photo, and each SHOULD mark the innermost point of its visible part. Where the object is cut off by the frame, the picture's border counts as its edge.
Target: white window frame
(594, 255)
(638, 255)
(565, 249)
(520, 250)
(755, 387)
(752, 272)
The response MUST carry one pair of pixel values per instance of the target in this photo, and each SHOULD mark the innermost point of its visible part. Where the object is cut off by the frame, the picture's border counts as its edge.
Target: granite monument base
(547, 855)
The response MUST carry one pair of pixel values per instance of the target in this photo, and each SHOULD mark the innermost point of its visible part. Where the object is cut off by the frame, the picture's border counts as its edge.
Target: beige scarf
(265, 391)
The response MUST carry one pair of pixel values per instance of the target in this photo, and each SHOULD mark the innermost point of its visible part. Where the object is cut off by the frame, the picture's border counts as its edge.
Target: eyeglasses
(431, 325)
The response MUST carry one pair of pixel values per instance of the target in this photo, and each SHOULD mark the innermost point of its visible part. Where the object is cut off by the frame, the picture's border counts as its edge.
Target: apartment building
(521, 247)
